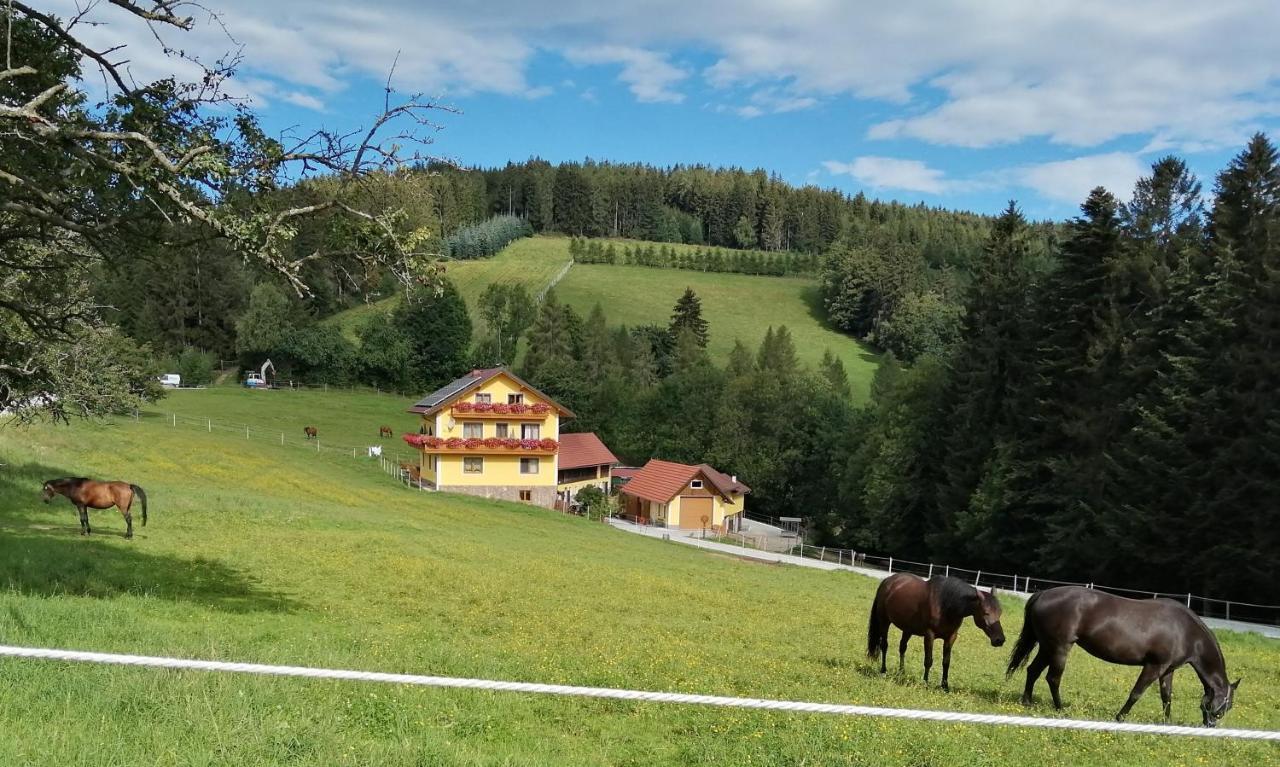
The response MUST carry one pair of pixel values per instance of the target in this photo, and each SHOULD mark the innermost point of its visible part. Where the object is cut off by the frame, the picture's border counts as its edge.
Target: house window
(515, 399)
(528, 465)
(696, 484)
(502, 431)
(484, 399)
(530, 431)
(472, 465)
(473, 430)
(526, 495)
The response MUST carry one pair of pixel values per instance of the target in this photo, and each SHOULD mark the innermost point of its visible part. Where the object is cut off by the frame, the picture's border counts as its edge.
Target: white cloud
(648, 74)
(892, 173)
(1183, 74)
(1071, 180)
(304, 100)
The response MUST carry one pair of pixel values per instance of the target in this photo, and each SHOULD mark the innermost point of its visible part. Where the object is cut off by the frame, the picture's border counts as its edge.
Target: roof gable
(452, 391)
(660, 481)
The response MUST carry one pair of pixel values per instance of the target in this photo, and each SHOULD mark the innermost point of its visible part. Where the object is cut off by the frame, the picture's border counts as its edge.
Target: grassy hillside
(532, 261)
(738, 306)
(278, 554)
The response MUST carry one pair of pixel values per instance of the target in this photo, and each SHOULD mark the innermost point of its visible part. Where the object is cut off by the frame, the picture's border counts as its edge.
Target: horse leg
(1149, 674)
(929, 639)
(902, 651)
(1057, 663)
(884, 650)
(84, 520)
(946, 659)
(1034, 670)
(1166, 694)
(128, 523)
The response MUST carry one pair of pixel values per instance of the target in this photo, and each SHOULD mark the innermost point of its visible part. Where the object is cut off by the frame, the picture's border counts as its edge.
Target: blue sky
(962, 105)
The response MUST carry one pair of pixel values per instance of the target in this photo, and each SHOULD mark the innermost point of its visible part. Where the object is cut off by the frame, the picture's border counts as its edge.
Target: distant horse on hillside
(933, 609)
(310, 431)
(87, 494)
(385, 431)
(1158, 634)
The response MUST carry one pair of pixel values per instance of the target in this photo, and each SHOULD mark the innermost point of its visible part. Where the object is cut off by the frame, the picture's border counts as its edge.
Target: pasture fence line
(954, 717)
(542, 293)
(274, 436)
(1208, 607)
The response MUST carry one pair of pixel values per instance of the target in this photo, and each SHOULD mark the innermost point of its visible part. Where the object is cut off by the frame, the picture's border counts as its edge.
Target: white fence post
(930, 569)
(282, 438)
(209, 423)
(890, 564)
(977, 578)
(175, 420)
(246, 431)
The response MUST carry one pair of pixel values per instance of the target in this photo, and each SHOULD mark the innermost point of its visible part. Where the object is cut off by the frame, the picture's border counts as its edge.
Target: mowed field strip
(269, 554)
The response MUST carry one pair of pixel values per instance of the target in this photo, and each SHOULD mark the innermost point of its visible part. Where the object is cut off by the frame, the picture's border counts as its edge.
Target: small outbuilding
(685, 496)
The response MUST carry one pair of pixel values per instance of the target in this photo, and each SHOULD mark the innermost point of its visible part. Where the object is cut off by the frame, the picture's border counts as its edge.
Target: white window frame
(465, 459)
(469, 424)
(695, 484)
(537, 465)
(515, 399)
(536, 427)
(484, 399)
(502, 430)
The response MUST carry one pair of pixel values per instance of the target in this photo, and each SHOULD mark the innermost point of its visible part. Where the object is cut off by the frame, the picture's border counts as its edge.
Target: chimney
(734, 479)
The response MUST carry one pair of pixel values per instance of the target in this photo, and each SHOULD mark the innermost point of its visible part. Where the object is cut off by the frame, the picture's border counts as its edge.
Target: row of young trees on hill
(653, 391)
(590, 251)
(1111, 419)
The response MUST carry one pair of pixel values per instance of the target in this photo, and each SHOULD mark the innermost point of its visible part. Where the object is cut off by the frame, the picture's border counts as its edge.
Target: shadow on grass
(811, 295)
(55, 560)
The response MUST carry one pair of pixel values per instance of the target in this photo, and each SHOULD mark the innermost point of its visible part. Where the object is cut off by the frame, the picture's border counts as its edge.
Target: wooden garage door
(692, 509)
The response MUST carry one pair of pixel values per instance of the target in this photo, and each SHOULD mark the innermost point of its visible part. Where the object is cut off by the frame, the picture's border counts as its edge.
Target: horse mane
(955, 597)
(64, 481)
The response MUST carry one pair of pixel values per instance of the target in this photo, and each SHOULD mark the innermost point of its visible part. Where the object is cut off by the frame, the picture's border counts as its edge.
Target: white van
(171, 380)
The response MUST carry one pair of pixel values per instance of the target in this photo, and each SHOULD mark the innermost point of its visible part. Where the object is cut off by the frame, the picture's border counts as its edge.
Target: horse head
(986, 616)
(1216, 703)
(48, 492)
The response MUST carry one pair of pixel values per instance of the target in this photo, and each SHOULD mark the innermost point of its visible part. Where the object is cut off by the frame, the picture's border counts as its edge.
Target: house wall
(499, 469)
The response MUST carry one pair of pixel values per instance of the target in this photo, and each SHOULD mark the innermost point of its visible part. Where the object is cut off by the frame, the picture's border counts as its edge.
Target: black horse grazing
(932, 609)
(1158, 634)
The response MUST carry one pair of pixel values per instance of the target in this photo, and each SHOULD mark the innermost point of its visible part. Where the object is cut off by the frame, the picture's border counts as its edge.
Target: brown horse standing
(87, 494)
(1158, 634)
(933, 609)
(385, 431)
(310, 431)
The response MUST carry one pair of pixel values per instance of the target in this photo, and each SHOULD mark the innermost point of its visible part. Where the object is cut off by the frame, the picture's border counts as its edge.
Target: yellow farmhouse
(684, 496)
(489, 433)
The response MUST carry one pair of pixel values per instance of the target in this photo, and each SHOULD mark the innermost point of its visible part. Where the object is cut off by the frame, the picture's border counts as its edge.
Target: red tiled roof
(723, 482)
(659, 481)
(579, 450)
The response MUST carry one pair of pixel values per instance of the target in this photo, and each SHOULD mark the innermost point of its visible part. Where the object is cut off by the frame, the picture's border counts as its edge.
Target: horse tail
(1027, 640)
(142, 498)
(875, 626)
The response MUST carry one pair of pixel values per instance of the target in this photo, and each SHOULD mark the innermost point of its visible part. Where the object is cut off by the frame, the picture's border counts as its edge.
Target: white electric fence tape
(635, 695)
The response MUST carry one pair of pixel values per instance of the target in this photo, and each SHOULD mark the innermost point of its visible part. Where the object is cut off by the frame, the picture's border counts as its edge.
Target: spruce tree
(439, 332)
(687, 315)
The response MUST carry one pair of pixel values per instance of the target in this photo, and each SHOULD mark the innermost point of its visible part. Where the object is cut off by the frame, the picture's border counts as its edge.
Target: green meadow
(738, 306)
(274, 553)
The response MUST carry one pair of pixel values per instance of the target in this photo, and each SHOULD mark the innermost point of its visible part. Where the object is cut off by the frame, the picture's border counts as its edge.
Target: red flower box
(455, 442)
(518, 407)
(548, 444)
(540, 408)
(511, 443)
(501, 408)
(492, 442)
(482, 407)
(463, 407)
(414, 440)
(471, 443)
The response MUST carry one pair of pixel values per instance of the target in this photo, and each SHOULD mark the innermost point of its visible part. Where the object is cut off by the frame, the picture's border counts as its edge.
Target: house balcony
(471, 410)
(489, 446)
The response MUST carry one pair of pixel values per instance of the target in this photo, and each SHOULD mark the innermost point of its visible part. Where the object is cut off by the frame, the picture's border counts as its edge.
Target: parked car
(171, 380)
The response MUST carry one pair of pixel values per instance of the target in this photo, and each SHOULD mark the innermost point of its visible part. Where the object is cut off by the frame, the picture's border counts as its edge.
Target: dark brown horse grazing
(87, 494)
(933, 609)
(310, 431)
(385, 431)
(1158, 634)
